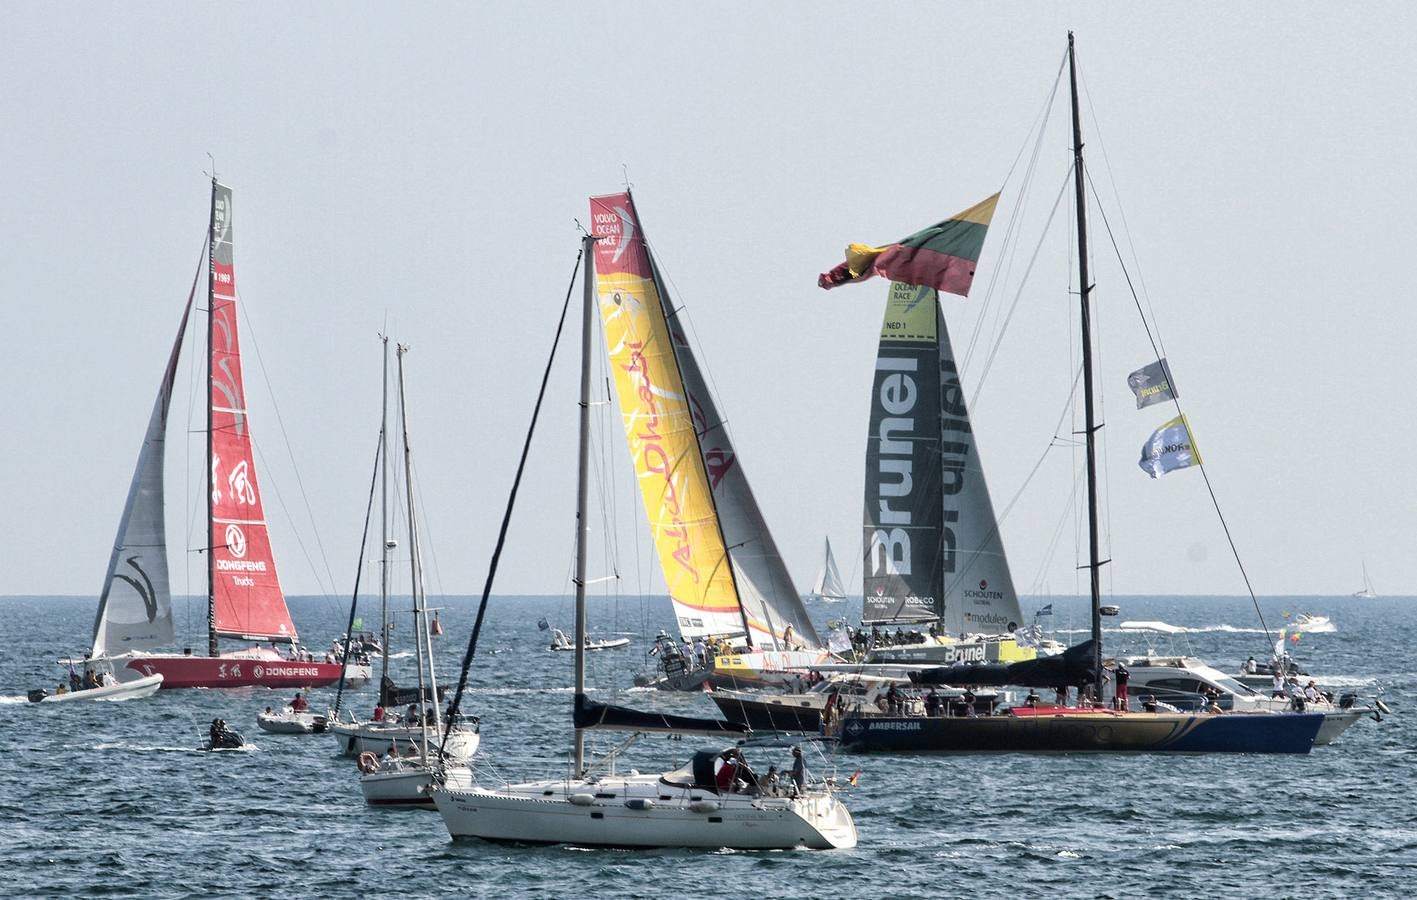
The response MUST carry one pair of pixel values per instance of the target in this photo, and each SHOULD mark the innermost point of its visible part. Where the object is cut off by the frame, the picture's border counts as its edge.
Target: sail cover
(590, 714)
(135, 606)
(247, 601)
(768, 597)
(932, 544)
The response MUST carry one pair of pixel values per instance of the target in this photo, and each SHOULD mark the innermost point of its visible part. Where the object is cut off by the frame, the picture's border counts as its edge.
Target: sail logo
(242, 488)
(953, 459)
(656, 459)
(144, 588)
(619, 223)
(896, 438)
(236, 540)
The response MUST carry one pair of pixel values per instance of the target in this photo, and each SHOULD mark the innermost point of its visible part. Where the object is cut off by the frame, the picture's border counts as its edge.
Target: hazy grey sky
(426, 164)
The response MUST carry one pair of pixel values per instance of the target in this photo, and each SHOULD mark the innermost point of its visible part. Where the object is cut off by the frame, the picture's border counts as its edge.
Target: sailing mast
(383, 531)
(1085, 291)
(211, 502)
(582, 486)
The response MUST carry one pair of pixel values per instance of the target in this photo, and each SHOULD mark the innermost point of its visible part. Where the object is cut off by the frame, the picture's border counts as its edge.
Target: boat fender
(641, 803)
(368, 762)
(1382, 706)
(704, 806)
(582, 799)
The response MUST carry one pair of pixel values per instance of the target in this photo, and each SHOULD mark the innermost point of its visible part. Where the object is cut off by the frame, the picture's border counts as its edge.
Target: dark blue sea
(113, 799)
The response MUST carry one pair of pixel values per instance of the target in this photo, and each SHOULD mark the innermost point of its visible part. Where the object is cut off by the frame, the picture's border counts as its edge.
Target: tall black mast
(211, 531)
(1085, 295)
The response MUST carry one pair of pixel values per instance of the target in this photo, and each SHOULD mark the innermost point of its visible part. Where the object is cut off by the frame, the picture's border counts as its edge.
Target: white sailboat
(1367, 593)
(409, 731)
(404, 780)
(828, 587)
(714, 800)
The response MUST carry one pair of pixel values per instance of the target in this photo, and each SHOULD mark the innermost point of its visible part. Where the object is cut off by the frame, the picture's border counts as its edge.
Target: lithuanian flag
(941, 256)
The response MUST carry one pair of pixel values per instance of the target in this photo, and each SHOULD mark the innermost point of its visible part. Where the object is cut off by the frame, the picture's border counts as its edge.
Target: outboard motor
(38, 694)
(1347, 701)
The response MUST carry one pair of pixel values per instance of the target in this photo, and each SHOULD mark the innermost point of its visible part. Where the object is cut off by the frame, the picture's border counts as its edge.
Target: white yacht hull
(599, 814)
(124, 690)
(408, 783)
(375, 737)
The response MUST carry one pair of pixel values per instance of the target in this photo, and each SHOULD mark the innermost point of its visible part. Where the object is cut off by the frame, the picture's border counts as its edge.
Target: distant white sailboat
(828, 585)
(1367, 593)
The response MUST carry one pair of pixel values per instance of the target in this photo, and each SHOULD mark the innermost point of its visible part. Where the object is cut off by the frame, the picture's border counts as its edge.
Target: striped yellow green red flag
(941, 256)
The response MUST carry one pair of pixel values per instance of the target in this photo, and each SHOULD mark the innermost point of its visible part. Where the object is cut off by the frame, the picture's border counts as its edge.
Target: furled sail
(247, 601)
(135, 606)
(828, 585)
(932, 543)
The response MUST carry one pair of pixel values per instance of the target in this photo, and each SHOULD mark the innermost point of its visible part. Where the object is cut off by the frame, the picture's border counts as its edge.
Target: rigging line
(358, 571)
(329, 592)
(192, 380)
(1018, 295)
(507, 515)
(1015, 226)
(1205, 476)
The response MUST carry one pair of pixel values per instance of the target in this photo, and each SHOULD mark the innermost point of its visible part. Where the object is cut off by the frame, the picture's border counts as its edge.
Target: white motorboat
(1312, 624)
(112, 691)
(715, 800)
(559, 641)
(288, 721)
(1182, 680)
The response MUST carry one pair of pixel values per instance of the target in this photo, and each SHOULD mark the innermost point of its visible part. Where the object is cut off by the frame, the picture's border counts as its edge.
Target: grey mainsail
(135, 605)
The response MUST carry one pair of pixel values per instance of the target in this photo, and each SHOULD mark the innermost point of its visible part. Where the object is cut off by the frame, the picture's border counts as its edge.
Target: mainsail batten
(246, 597)
(135, 606)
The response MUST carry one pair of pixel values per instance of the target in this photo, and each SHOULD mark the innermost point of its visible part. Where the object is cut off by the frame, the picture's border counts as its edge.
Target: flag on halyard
(358, 622)
(1152, 384)
(1170, 447)
(941, 256)
(1045, 611)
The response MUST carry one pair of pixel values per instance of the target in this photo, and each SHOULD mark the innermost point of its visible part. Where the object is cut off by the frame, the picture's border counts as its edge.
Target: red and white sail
(247, 601)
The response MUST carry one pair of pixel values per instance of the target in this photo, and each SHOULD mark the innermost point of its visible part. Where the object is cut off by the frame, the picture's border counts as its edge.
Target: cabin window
(718, 819)
(610, 796)
(596, 815)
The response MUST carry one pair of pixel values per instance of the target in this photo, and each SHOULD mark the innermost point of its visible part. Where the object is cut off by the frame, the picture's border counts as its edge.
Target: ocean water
(114, 799)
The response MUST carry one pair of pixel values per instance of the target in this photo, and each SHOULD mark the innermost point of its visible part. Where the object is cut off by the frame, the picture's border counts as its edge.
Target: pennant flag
(855, 778)
(941, 256)
(358, 623)
(542, 625)
(1152, 384)
(1170, 447)
(1295, 637)
(1045, 611)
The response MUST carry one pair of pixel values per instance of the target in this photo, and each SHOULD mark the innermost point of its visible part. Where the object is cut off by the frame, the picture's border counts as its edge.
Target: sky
(421, 171)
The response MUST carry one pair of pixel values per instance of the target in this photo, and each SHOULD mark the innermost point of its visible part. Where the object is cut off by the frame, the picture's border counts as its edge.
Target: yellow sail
(659, 426)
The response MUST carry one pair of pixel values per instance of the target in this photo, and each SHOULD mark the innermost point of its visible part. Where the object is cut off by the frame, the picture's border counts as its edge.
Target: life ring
(368, 762)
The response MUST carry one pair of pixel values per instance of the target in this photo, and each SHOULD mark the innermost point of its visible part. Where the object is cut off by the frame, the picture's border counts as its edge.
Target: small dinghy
(118, 690)
(288, 721)
(559, 641)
